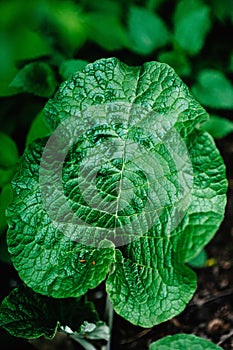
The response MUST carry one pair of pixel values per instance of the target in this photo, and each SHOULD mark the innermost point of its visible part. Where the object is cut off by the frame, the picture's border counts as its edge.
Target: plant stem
(108, 315)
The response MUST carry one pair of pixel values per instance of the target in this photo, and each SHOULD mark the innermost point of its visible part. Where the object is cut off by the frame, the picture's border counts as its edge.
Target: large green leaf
(124, 164)
(183, 342)
(27, 314)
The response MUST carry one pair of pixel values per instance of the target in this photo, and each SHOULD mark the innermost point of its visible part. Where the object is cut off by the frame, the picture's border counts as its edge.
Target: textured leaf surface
(154, 265)
(47, 260)
(27, 314)
(148, 282)
(183, 342)
(154, 85)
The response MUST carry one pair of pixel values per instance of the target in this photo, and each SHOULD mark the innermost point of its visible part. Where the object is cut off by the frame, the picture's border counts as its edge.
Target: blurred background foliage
(43, 42)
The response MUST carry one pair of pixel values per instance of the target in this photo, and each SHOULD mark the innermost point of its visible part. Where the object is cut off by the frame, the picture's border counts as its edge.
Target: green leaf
(147, 30)
(37, 78)
(66, 268)
(206, 210)
(213, 89)
(67, 29)
(183, 342)
(139, 276)
(6, 197)
(176, 60)
(192, 23)
(199, 260)
(29, 44)
(7, 69)
(69, 67)
(218, 127)
(37, 129)
(107, 31)
(8, 151)
(27, 314)
(159, 197)
(154, 85)
(91, 331)
(6, 176)
(98, 331)
(149, 293)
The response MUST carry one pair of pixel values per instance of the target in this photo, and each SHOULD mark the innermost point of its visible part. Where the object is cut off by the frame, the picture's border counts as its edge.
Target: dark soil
(209, 314)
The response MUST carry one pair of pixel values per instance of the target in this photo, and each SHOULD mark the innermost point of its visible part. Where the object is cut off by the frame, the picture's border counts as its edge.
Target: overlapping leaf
(27, 314)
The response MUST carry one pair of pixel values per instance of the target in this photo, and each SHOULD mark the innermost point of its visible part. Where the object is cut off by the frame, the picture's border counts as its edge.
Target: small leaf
(27, 314)
(69, 67)
(37, 129)
(8, 151)
(107, 31)
(218, 127)
(37, 78)
(176, 60)
(199, 260)
(98, 331)
(91, 331)
(183, 342)
(213, 89)
(147, 30)
(67, 25)
(29, 44)
(192, 23)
